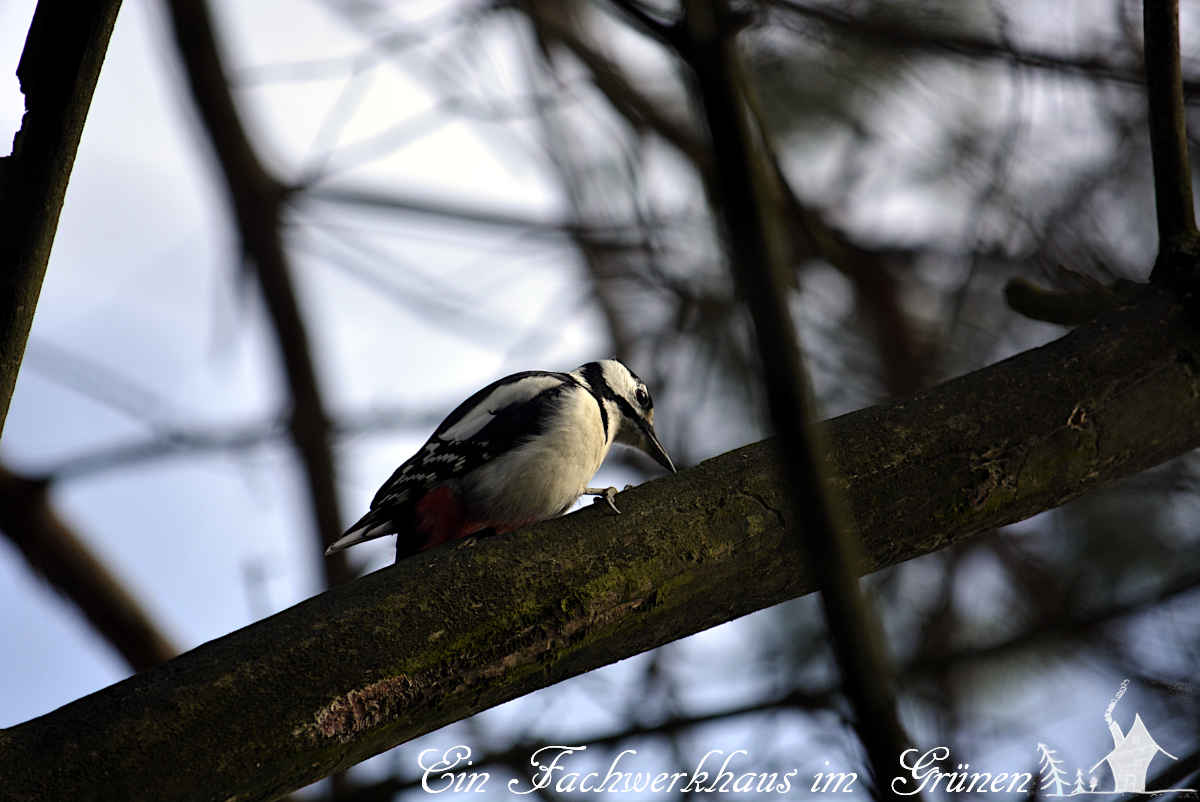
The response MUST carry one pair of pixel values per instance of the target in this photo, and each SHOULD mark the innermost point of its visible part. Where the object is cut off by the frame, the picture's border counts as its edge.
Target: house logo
(1128, 762)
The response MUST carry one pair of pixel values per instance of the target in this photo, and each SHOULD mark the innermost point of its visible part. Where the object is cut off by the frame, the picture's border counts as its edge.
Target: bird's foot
(470, 540)
(605, 494)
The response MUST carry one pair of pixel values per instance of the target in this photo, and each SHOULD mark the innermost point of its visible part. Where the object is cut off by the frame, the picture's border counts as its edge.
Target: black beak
(654, 448)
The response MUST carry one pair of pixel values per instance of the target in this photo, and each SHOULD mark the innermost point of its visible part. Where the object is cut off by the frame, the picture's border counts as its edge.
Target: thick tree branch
(57, 553)
(454, 631)
(58, 72)
(256, 197)
(744, 193)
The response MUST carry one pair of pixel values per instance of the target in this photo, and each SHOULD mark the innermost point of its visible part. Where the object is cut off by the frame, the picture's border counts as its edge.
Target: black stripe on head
(593, 373)
(593, 381)
(628, 411)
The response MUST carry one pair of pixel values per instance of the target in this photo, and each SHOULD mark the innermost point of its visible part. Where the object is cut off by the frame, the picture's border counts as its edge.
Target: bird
(518, 451)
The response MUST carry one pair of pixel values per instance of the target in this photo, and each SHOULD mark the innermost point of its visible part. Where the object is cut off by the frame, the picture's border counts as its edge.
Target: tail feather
(369, 527)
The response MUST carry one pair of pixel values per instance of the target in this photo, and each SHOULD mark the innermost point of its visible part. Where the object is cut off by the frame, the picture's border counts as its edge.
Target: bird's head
(628, 404)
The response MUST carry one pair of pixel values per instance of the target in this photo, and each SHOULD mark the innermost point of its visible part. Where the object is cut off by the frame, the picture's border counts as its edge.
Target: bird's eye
(642, 397)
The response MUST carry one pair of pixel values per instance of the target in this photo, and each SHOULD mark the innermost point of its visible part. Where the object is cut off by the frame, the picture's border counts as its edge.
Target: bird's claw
(606, 495)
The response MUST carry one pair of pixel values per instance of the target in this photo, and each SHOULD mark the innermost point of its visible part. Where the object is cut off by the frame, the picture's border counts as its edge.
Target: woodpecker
(520, 450)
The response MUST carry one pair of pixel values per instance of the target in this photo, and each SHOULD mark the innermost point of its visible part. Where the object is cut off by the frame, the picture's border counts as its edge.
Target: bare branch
(598, 259)
(256, 197)
(181, 442)
(744, 192)
(58, 72)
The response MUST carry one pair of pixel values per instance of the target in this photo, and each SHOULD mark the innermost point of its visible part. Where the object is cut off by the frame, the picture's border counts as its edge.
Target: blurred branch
(98, 382)
(66, 562)
(744, 194)
(642, 111)
(194, 441)
(59, 67)
(895, 31)
(1178, 240)
(378, 661)
(905, 364)
(616, 233)
(597, 258)
(1051, 628)
(256, 197)
(903, 360)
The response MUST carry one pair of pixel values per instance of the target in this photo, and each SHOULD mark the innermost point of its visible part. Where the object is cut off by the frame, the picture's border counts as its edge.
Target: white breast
(542, 478)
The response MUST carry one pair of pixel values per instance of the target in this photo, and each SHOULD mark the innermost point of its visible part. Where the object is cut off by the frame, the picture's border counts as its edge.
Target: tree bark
(363, 667)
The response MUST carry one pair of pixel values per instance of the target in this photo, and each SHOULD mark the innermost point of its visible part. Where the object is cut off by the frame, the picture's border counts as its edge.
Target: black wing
(494, 420)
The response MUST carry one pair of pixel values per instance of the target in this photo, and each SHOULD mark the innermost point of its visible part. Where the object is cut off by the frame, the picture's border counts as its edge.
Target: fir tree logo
(1050, 770)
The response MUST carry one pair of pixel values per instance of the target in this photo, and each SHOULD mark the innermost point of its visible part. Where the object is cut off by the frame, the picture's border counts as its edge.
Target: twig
(745, 197)
(58, 72)
(371, 199)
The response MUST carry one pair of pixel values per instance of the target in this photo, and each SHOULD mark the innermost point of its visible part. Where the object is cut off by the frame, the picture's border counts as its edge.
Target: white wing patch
(505, 395)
